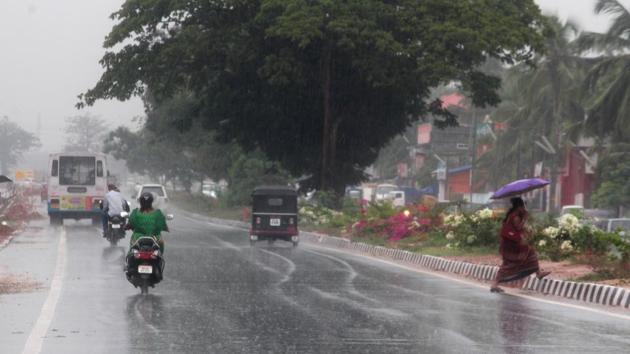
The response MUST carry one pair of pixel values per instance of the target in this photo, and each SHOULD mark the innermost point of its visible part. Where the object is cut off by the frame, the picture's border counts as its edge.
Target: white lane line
(463, 281)
(38, 333)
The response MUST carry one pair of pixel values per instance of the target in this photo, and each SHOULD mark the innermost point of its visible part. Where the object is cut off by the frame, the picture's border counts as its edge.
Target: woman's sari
(519, 259)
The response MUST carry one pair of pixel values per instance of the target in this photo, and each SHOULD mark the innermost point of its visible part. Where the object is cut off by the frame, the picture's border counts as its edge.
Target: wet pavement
(221, 296)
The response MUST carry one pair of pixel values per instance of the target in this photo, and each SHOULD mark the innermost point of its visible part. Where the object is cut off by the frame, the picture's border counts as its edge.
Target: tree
(613, 173)
(319, 86)
(607, 86)
(84, 133)
(540, 101)
(14, 141)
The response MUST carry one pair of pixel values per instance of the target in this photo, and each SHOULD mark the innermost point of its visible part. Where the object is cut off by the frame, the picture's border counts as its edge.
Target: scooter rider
(113, 204)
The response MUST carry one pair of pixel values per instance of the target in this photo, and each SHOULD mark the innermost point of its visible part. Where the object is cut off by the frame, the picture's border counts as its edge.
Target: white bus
(76, 184)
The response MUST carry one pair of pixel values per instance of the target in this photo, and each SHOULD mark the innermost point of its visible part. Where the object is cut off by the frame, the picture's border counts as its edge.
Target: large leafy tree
(319, 86)
(14, 142)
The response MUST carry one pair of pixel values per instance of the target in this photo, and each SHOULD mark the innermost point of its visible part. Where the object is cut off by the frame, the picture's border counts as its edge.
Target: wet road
(221, 296)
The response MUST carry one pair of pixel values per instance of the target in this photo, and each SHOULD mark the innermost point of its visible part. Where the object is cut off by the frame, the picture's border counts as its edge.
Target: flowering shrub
(471, 229)
(570, 237)
(383, 220)
(316, 215)
(15, 210)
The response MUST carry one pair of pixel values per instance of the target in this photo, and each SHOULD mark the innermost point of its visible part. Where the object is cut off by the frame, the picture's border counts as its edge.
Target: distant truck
(404, 196)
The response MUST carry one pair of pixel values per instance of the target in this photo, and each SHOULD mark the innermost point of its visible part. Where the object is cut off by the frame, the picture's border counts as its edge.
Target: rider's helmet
(146, 200)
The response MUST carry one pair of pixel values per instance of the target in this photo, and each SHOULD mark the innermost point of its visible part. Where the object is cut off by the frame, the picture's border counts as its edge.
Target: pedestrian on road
(519, 258)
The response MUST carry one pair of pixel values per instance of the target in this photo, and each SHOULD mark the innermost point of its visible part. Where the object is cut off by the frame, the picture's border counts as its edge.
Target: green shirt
(147, 224)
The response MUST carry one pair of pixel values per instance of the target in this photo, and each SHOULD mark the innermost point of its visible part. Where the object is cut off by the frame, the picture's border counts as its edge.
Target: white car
(160, 198)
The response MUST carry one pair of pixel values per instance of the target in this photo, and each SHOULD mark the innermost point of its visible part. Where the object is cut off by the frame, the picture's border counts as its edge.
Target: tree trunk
(556, 127)
(327, 136)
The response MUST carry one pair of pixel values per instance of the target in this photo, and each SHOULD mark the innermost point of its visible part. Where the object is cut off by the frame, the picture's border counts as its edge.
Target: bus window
(99, 168)
(77, 170)
(55, 168)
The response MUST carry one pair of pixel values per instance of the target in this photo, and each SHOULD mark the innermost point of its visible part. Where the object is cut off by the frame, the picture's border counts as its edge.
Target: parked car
(160, 198)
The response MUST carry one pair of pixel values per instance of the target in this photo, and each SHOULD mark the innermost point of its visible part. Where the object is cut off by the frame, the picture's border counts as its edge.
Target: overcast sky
(49, 52)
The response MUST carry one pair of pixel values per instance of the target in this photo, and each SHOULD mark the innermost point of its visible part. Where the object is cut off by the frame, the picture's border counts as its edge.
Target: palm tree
(607, 85)
(541, 102)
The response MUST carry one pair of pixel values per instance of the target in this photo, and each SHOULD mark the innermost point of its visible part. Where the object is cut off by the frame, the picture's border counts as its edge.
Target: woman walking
(519, 258)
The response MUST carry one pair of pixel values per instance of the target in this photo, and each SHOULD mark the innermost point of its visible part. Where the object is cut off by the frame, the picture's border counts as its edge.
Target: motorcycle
(145, 265)
(116, 227)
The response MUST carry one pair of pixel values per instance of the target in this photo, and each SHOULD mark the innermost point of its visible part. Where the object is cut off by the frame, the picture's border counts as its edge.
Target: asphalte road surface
(220, 295)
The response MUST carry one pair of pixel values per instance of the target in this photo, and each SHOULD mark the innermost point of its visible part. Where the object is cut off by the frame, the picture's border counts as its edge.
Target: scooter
(116, 227)
(145, 265)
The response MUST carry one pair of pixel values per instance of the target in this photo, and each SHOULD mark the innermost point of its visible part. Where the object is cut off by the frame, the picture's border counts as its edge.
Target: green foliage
(14, 142)
(606, 89)
(249, 171)
(466, 230)
(542, 100)
(381, 210)
(319, 86)
(319, 215)
(613, 173)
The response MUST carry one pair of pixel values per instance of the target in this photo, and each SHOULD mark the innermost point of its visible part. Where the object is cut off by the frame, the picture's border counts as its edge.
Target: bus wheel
(96, 221)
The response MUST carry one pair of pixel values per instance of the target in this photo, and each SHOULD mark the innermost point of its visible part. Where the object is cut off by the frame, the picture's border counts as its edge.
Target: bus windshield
(77, 170)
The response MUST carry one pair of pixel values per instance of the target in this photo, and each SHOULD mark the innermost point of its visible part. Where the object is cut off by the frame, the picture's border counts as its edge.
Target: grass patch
(595, 277)
(201, 204)
(458, 252)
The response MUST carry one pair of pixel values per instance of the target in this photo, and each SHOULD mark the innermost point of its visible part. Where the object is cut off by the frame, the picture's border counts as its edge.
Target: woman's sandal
(543, 274)
(497, 290)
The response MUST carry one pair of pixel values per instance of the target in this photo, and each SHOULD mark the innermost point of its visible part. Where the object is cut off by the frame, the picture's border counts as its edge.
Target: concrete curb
(599, 294)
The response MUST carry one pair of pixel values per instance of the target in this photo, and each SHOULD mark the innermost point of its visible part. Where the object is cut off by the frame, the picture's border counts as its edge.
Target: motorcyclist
(146, 221)
(113, 204)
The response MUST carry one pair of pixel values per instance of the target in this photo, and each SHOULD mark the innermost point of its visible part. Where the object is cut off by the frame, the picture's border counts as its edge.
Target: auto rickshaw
(274, 215)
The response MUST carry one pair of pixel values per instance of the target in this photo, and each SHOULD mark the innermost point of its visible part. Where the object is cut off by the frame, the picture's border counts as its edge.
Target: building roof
(454, 99)
(459, 169)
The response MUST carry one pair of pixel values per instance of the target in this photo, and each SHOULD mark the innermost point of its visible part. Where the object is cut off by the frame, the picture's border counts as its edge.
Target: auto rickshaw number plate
(145, 269)
(274, 222)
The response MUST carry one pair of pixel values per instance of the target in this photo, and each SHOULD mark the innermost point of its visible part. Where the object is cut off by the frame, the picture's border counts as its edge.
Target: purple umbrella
(519, 187)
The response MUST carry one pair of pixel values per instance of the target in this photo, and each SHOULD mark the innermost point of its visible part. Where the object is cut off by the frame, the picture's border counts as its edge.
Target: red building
(577, 179)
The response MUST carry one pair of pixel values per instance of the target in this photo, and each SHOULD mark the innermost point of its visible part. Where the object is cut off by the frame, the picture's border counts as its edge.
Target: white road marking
(292, 266)
(35, 340)
(462, 281)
